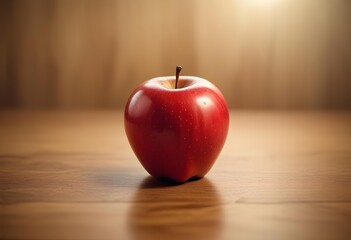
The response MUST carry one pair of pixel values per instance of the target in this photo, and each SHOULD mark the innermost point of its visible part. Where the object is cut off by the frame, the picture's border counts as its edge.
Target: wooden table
(72, 175)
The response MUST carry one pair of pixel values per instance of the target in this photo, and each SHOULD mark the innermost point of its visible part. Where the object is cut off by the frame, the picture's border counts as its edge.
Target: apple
(176, 126)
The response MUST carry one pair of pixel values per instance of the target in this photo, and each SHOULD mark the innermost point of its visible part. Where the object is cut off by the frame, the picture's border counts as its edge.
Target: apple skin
(176, 133)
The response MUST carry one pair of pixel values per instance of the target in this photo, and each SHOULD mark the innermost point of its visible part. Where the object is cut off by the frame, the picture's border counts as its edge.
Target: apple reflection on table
(163, 209)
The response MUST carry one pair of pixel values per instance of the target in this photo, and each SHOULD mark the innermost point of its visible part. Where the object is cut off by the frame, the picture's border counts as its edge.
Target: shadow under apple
(163, 209)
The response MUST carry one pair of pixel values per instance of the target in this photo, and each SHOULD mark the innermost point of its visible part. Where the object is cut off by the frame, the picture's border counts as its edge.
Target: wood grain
(263, 54)
(72, 175)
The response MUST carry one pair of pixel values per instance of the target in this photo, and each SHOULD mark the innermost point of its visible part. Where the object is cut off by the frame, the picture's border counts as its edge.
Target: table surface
(72, 175)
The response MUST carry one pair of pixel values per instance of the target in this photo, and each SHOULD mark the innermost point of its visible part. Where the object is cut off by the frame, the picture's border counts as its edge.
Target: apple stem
(178, 69)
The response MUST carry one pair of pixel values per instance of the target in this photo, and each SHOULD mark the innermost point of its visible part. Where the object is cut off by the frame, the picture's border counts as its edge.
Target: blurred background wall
(275, 54)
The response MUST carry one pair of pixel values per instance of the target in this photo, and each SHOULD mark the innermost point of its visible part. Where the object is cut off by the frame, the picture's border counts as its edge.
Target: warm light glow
(263, 3)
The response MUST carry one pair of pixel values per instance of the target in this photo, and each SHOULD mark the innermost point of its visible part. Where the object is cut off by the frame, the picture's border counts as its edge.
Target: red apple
(176, 130)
